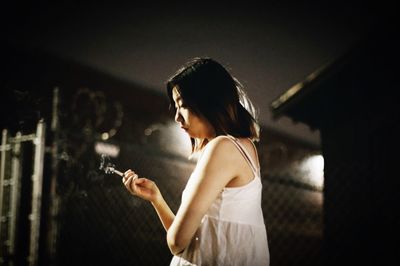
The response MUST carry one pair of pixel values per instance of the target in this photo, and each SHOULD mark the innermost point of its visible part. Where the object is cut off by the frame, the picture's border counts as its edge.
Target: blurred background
(81, 80)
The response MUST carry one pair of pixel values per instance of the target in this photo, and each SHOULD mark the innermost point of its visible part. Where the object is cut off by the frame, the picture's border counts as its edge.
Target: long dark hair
(210, 91)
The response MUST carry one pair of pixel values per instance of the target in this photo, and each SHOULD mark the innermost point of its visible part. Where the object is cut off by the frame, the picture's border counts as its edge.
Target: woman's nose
(178, 117)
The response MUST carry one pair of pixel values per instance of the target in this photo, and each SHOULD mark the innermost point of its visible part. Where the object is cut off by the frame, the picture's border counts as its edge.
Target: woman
(220, 220)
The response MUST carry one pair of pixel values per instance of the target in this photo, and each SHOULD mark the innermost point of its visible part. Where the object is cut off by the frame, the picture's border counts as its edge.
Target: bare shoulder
(220, 160)
(223, 160)
(220, 150)
(220, 144)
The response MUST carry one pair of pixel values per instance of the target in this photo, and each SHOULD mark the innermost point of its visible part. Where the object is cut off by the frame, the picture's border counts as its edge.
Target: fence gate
(21, 187)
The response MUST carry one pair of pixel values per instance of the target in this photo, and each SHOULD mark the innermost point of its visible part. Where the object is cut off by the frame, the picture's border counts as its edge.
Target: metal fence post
(2, 179)
(15, 192)
(54, 204)
(37, 185)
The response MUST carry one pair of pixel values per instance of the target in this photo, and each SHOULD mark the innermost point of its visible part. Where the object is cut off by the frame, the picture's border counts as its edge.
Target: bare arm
(207, 181)
(164, 213)
(148, 190)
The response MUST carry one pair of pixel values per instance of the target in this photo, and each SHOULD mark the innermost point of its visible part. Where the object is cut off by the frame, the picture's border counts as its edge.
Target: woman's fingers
(139, 181)
(141, 187)
(128, 174)
(128, 180)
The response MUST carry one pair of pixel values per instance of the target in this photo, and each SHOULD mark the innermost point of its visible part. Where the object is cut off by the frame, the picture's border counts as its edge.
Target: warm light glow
(171, 138)
(313, 169)
(107, 149)
(105, 136)
(179, 139)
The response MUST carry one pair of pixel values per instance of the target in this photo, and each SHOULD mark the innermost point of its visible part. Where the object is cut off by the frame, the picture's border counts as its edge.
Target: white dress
(233, 231)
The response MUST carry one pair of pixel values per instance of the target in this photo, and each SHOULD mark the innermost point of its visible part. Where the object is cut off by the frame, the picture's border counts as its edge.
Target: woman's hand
(141, 187)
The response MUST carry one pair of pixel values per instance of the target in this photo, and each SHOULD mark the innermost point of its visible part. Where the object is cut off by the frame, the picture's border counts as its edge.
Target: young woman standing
(220, 219)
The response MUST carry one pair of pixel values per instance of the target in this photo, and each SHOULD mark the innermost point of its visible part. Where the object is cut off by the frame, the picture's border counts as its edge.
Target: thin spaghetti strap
(245, 154)
(257, 163)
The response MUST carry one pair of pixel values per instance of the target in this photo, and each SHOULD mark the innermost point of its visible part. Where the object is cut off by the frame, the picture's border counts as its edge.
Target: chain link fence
(91, 219)
(104, 223)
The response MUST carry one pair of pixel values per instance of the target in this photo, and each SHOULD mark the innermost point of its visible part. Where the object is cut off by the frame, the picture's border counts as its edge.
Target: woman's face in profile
(194, 125)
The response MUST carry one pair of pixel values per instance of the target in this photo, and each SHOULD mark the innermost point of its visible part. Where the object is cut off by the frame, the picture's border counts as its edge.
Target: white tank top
(233, 231)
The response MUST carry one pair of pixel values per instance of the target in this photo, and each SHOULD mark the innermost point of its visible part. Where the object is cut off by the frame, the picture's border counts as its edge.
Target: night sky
(269, 47)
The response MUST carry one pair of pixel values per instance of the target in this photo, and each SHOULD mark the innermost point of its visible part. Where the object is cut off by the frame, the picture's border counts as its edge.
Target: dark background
(109, 62)
(269, 46)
